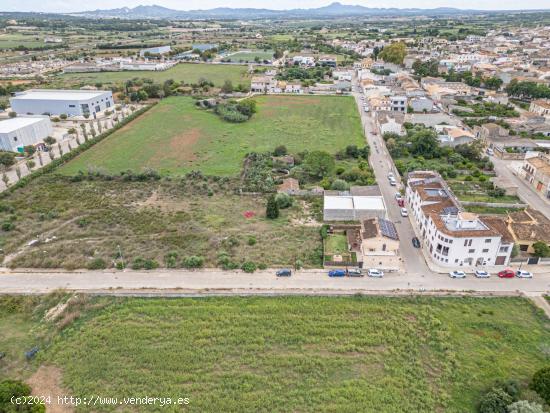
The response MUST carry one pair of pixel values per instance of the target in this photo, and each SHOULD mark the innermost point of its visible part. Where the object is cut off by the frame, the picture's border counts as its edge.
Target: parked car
(404, 212)
(390, 175)
(398, 195)
(490, 152)
(416, 242)
(481, 274)
(393, 182)
(337, 273)
(457, 274)
(373, 272)
(401, 202)
(507, 273)
(355, 272)
(524, 274)
(285, 272)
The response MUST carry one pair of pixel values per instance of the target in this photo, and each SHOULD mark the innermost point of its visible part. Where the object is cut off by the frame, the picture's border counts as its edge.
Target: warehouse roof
(354, 202)
(11, 125)
(58, 94)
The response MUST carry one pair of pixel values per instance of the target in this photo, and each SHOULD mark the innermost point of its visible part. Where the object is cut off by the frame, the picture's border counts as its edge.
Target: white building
(155, 50)
(303, 60)
(398, 103)
(16, 133)
(56, 102)
(353, 208)
(452, 237)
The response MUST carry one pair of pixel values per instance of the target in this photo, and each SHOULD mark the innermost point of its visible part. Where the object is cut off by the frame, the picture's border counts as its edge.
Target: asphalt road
(215, 282)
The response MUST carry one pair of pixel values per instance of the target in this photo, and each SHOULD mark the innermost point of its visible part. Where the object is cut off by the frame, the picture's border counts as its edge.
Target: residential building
(56, 102)
(398, 103)
(536, 171)
(453, 135)
(259, 84)
(18, 132)
(541, 107)
(527, 227)
(451, 236)
(389, 122)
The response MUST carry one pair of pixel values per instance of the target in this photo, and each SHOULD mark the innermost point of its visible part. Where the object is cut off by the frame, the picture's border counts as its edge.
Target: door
(500, 260)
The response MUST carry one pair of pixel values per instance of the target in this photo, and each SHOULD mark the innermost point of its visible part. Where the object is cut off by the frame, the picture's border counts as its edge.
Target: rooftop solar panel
(388, 229)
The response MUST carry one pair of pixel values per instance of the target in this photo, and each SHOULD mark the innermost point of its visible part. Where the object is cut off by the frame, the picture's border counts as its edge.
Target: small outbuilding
(16, 133)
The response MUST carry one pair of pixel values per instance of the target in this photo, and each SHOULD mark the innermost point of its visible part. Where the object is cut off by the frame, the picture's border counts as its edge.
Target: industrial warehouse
(57, 102)
(16, 133)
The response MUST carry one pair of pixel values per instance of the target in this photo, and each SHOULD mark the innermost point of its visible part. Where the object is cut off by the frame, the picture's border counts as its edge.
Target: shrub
(170, 259)
(63, 116)
(495, 400)
(193, 262)
(541, 383)
(251, 240)
(150, 264)
(262, 266)
(138, 263)
(97, 264)
(15, 388)
(8, 226)
(283, 200)
(248, 266)
(280, 150)
(523, 406)
(339, 185)
(541, 249)
(272, 208)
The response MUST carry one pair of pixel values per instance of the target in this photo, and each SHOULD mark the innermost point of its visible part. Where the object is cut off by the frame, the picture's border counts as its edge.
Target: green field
(245, 56)
(289, 354)
(10, 40)
(175, 137)
(183, 72)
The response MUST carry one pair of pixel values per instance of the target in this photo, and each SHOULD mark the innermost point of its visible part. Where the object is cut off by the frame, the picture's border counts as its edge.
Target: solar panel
(450, 211)
(388, 229)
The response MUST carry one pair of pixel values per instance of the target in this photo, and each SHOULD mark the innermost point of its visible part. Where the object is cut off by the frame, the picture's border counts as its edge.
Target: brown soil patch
(164, 204)
(180, 145)
(47, 382)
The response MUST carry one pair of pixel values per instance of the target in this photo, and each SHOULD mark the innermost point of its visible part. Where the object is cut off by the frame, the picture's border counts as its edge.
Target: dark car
(507, 273)
(416, 242)
(337, 273)
(285, 272)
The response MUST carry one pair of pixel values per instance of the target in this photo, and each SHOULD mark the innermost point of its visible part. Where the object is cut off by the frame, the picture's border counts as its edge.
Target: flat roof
(11, 125)
(58, 94)
(354, 202)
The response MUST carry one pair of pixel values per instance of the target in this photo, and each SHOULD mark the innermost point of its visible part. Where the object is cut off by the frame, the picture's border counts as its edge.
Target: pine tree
(272, 209)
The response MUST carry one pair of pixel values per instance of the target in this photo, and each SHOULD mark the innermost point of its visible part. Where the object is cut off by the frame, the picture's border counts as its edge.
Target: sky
(61, 6)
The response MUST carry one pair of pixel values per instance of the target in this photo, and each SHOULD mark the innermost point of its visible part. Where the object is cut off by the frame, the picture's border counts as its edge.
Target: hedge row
(75, 152)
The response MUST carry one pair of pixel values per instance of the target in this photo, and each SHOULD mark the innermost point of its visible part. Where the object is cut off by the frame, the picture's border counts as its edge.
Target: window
(485, 250)
(72, 106)
(456, 261)
(15, 138)
(503, 249)
(523, 247)
(471, 251)
(488, 240)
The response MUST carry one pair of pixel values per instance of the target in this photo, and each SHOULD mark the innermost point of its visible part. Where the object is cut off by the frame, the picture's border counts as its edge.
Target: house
(327, 61)
(56, 102)
(389, 122)
(398, 103)
(536, 171)
(453, 237)
(453, 135)
(527, 227)
(377, 242)
(293, 87)
(18, 132)
(307, 61)
(352, 208)
(342, 75)
(541, 107)
(379, 103)
(490, 131)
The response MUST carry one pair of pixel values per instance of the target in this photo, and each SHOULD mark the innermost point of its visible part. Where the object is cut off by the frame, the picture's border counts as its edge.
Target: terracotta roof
(530, 225)
(500, 225)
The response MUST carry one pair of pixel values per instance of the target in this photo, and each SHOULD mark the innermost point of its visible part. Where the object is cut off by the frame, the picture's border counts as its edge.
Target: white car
(482, 274)
(398, 196)
(373, 272)
(390, 175)
(524, 274)
(404, 212)
(393, 182)
(457, 274)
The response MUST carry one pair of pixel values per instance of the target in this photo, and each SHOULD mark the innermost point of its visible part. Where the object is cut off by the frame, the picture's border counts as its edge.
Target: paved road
(525, 191)
(216, 282)
(382, 164)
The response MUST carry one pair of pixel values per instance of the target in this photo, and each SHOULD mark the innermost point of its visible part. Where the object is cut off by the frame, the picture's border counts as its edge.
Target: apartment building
(452, 237)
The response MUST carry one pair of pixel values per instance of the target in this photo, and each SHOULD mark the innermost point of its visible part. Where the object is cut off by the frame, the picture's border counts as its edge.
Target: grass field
(8, 41)
(183, 72)
(192, 139)
(194, 217)
(295, 354)
(245, 56)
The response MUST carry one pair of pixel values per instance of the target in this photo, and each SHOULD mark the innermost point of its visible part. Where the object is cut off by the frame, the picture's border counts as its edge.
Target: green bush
(170, 259)
(283, 200)
(339, 185)
(150, 264)
(495, 400)
(193, 262)
(12, 389)
(97, 264)
(272, 208)
(523, 406)
(251, 241)
(248, 266)
(541, 383)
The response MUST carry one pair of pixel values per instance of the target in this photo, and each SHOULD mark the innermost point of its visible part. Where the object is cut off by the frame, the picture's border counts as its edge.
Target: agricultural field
(183, 72)
(306, 354)
(11, 40)
(195, 139)
(249, 56)
(100, 222)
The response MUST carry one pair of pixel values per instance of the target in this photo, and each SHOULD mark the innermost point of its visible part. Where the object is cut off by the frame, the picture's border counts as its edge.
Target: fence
(495, 204)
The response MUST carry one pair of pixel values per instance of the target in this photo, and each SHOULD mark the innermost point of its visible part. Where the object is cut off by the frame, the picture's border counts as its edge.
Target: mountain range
(331, 11)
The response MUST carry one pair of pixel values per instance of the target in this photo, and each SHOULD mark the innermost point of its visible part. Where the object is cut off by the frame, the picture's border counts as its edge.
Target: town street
(217, 282)
(382, 164)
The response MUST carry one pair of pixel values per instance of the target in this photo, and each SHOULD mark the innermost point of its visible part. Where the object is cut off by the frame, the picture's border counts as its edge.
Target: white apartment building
(452, 237)
(398, 103)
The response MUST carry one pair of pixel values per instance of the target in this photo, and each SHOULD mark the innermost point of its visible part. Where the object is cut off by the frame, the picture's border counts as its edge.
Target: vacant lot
(191, 217)
(298, 354)
(175, 137)
(183, 72)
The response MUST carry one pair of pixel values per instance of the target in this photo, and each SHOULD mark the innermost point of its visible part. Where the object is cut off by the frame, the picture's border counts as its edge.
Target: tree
(272, 209)
(523, 406)
(319, 164)
(394, 53)
(12, 389)
(227, 87)
(495, 400)
(541, 249)
(280, 150)
(493, 83)
(541, 383)
(425, 144)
